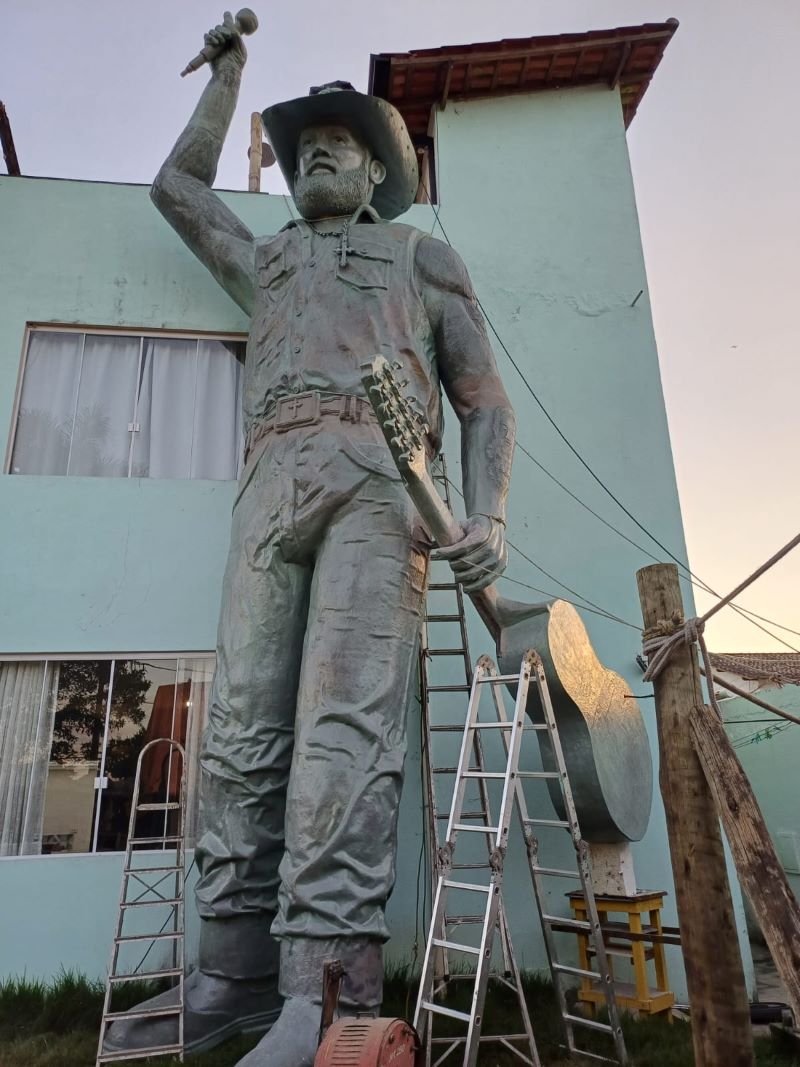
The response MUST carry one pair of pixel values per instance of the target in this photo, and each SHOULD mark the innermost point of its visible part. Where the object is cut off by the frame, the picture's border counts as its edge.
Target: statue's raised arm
(182, 189)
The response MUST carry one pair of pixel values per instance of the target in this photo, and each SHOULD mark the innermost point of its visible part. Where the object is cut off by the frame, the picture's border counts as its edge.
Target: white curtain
(27, 712)
(101, 440)
(81, 395)
(47, 404)
(188, 411)
(199, 672)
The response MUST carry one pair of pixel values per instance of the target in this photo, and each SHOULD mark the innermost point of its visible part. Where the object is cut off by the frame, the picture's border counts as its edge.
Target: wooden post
(720, 1013)
(757, 863)
(254, 174)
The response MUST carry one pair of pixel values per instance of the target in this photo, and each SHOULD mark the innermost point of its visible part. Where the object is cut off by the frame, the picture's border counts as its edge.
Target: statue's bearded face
(335, 172)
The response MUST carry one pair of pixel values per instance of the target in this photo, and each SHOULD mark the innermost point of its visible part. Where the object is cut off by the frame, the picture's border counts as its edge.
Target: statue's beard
(321, 195)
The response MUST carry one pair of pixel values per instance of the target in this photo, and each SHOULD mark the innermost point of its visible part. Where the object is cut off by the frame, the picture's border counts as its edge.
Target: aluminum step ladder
(153, 877)
(488, 891)
(444, 694)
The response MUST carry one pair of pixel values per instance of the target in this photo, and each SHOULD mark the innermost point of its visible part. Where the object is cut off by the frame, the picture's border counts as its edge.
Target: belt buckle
(299, 410)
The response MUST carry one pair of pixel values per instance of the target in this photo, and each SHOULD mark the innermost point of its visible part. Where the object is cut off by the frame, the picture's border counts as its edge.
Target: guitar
(602, 732)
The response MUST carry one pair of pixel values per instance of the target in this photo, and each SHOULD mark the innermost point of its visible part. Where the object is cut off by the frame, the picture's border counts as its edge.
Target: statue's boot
(293, 1040)
(233, 991)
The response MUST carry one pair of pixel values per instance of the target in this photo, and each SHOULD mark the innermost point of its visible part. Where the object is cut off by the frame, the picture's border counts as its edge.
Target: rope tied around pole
(661, 640)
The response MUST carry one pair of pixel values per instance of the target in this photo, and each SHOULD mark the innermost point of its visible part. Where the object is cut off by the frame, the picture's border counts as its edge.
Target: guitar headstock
(399, 414)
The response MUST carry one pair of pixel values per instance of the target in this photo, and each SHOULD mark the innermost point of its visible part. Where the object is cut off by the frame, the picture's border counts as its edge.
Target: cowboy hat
(379, 125)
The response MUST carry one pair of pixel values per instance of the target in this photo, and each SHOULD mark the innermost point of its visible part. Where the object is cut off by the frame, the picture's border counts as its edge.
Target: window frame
(84, 329)
(113, 658)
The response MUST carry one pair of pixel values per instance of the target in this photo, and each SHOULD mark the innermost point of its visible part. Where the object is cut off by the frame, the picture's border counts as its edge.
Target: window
(70, 736)
(126, 406)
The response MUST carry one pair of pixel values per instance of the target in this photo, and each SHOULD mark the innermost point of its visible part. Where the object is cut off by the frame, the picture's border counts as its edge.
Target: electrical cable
(585, 464)
(591, 604)
(696, 582)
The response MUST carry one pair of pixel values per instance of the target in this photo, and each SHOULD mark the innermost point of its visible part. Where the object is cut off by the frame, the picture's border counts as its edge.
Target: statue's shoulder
(439, 264)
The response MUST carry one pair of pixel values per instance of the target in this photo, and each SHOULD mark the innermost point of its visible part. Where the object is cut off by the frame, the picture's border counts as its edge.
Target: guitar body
(602, 732)
(603, 737)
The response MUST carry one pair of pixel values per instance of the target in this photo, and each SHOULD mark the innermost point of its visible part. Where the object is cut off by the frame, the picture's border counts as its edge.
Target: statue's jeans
(302, 762)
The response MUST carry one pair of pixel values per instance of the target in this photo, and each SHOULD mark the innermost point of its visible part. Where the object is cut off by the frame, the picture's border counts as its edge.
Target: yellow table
(632, 938)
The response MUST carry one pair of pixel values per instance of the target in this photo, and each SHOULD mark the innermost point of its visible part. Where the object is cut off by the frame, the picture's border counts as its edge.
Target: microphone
(246, 23)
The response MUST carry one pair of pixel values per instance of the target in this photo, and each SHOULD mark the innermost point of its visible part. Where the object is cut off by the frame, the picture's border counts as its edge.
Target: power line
(590, 470)
(696, 582)
(598, 610)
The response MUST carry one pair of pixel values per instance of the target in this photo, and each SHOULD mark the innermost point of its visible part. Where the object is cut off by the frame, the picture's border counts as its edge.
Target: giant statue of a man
(302, 762)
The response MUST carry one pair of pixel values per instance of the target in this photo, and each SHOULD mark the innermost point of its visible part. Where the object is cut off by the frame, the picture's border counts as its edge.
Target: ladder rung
(443, 618)
(154, 870)
(466, 815)
(463, 920)
(476, 829)
(556, 872)
(444, 770)
(466, 885)
(498, 679)
(143, 1013)
(580, 972)
(440, 586)
(538, 774)
(140, 1053)
(571, 924)
(171, 805)
(456, 947)
(448, 689)
(471, 866)
(151, 903)
(491, 725)
(483, 774)
(147, 976)
(590, 1024)
(546, 822)
(536, 726)
(174, 838)
(149, 937)
(446, 651)
(450, 1012)
(584, 1055)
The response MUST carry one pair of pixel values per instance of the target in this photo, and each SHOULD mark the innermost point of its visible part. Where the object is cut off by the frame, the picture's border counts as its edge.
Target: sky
(92, 91)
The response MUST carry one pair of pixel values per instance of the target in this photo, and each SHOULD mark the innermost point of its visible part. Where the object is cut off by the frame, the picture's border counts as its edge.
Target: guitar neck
(444, 530)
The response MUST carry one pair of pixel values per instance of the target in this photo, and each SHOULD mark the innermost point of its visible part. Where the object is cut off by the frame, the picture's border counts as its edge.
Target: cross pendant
(343, 249)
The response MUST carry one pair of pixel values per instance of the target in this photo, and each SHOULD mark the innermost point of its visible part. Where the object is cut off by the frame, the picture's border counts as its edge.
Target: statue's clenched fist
(480, 557)
(227, 36)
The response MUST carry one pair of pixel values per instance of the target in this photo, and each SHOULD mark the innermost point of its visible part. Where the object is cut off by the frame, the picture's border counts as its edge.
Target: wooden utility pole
(757, 863)
(720, 1013)
(254, 174)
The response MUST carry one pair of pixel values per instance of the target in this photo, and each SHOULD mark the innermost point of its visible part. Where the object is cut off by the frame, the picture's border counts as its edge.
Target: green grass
(56, 1025)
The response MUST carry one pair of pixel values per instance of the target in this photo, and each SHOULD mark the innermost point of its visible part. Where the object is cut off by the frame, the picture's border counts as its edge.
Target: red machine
(361, 1042)
(369, 1043)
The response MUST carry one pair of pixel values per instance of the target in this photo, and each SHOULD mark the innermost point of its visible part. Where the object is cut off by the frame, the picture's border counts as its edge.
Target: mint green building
(119, 378)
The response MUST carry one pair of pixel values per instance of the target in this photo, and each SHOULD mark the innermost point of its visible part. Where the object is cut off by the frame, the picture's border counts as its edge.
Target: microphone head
(247, 21)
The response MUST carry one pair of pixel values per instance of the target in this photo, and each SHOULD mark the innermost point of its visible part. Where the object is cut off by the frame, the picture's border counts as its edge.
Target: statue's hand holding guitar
(480, 557)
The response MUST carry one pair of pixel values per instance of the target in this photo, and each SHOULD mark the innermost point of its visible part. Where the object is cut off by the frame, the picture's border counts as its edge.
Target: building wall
(536, 194)
(771, 765)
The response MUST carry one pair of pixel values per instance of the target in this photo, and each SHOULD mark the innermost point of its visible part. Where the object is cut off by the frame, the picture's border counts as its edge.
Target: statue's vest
(316, 319)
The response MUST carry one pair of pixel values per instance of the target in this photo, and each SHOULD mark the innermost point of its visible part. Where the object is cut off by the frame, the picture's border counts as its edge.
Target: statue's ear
(377, 172)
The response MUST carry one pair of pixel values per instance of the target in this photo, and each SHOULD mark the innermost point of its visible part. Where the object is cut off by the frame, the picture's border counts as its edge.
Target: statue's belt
(307, 409)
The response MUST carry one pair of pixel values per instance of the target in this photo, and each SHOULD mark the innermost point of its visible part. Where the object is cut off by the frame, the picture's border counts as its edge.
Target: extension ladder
(151, 884)
(495, 829)
(444, 639)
